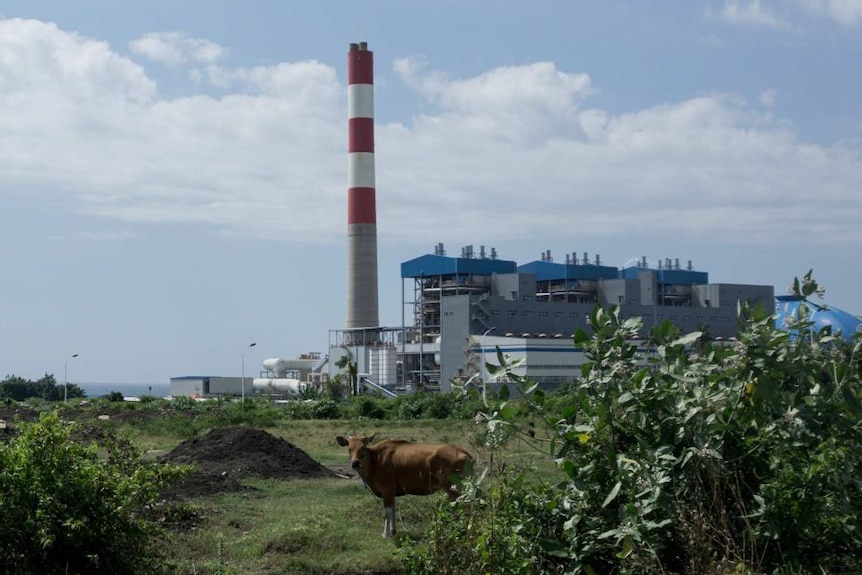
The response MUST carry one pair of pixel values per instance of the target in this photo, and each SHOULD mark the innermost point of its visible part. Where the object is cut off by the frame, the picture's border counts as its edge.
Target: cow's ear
(371, 437)
(341, 440)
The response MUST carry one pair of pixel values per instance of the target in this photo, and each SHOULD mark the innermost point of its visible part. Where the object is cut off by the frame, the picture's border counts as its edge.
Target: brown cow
(396, 467)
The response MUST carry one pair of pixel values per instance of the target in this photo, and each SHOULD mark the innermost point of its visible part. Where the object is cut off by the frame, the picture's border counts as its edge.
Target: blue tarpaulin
(840, 322)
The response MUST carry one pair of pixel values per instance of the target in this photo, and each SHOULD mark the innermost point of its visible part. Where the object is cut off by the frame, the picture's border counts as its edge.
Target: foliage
(680, 455)
(348, 363)
(72, 507)
(369, 407)
(255, 412)
(46, 388)
(324, 409)
(413, 406)
(496, 527)
(424, 405)
(334, 387)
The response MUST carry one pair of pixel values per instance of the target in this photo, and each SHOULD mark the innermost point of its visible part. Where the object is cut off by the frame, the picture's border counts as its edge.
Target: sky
(173, 175)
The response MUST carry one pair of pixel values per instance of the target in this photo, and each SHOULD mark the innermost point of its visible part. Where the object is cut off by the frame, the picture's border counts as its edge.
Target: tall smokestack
(361, 207)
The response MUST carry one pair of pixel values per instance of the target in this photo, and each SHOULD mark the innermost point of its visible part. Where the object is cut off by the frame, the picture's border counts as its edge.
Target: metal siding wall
(454, 332)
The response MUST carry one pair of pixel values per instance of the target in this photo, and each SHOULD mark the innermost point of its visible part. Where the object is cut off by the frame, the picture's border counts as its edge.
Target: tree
(20, 389)
(347, 361)
(73, 507)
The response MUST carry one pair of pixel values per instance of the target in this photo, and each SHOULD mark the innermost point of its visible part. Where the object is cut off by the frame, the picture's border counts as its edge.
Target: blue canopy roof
(786, 310)
(434, 265)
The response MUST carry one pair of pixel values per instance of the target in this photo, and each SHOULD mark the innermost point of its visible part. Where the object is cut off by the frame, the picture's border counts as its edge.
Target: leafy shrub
(334, 387)
(324, 409)
(368, 407)
(69, 507)
(430, 405)
(681, 456)
(186, 403)
(296, 410)
(497, 527)
(253, 411)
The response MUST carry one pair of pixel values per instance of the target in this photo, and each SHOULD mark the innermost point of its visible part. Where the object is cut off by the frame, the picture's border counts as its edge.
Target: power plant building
(461, 309)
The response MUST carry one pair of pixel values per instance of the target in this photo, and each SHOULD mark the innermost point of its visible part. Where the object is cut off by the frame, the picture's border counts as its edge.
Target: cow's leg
(388, 515)
(389, 521)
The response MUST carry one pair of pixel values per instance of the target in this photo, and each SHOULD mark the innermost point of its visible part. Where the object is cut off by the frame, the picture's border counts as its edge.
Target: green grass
(306, 526)
(301, 526)
(294, 526)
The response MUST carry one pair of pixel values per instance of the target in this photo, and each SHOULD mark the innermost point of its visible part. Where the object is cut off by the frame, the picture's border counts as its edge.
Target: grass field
(284, 526)
(307, 526)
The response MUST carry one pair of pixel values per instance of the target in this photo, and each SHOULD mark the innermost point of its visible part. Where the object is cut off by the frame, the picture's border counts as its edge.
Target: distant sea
(94, 390)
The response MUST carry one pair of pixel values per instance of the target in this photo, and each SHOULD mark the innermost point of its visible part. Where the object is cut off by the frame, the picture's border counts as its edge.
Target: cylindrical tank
(275, 365)
(277, 385)
(384, 368)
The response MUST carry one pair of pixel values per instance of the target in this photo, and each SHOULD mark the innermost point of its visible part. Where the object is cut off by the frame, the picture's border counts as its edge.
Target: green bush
(368, 407)
(681, 456)
(324, 409)
(255, 412)
(497, 527)
(296, 410)
(76, 508)
(434, 405)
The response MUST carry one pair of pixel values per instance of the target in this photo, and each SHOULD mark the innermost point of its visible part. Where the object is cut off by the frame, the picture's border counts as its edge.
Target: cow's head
(357, 446)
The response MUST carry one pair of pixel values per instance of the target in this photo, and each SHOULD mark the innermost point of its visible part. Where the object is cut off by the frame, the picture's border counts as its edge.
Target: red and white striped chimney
(361, 207)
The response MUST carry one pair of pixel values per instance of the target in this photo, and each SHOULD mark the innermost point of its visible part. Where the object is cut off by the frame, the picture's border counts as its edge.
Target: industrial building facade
(461, 309)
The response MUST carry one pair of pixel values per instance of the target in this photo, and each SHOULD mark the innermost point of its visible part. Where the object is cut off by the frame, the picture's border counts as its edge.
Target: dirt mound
(224, 456)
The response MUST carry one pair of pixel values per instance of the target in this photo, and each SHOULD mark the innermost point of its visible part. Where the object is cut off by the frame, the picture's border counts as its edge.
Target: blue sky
(173, 174)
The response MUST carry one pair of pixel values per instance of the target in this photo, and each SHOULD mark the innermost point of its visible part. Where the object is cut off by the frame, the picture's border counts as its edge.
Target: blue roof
(545, 271)
(434, 265)
(786, 310)
(671, 277)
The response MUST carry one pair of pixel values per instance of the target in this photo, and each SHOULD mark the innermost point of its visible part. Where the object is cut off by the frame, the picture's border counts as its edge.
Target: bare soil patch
(224, 456)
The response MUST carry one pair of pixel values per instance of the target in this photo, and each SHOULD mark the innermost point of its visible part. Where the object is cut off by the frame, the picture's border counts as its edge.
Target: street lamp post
(66, 377)
(243, 369)
(482, 344)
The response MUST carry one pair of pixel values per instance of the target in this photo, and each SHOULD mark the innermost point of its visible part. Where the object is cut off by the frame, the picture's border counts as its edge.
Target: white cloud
(750, 12)
(515, 151)
(525, 103)
(62, 69)
(292, 79)
(177, 48)
(112, 236)
(767, 98)
(780, 13)
(846, 12)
